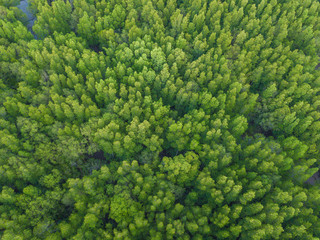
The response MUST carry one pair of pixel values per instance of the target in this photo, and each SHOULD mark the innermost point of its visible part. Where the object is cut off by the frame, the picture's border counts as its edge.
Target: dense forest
(160, 119)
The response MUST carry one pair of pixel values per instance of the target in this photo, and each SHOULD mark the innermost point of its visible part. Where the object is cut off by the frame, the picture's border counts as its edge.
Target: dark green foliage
(167, 119)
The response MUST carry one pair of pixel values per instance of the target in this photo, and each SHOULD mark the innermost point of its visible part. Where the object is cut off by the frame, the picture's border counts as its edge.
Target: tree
(161, 119)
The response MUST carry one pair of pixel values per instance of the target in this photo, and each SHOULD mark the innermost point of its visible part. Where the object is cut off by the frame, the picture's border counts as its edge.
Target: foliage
(160, 120)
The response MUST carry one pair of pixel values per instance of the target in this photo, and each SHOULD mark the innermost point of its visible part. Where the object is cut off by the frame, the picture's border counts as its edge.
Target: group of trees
(160, 119)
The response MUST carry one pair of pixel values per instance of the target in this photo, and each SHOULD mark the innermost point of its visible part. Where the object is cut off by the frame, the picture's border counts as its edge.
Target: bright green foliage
(167, 119)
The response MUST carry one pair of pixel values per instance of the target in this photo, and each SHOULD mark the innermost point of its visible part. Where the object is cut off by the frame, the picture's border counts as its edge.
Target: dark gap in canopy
(314, 179)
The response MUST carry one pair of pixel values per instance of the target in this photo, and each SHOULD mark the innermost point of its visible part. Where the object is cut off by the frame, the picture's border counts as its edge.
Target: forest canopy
(160, 119)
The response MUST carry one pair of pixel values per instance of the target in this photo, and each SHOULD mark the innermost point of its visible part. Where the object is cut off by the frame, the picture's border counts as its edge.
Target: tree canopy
(160, 119)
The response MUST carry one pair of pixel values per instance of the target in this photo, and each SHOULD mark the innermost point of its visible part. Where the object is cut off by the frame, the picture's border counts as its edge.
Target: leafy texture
(160, 119)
